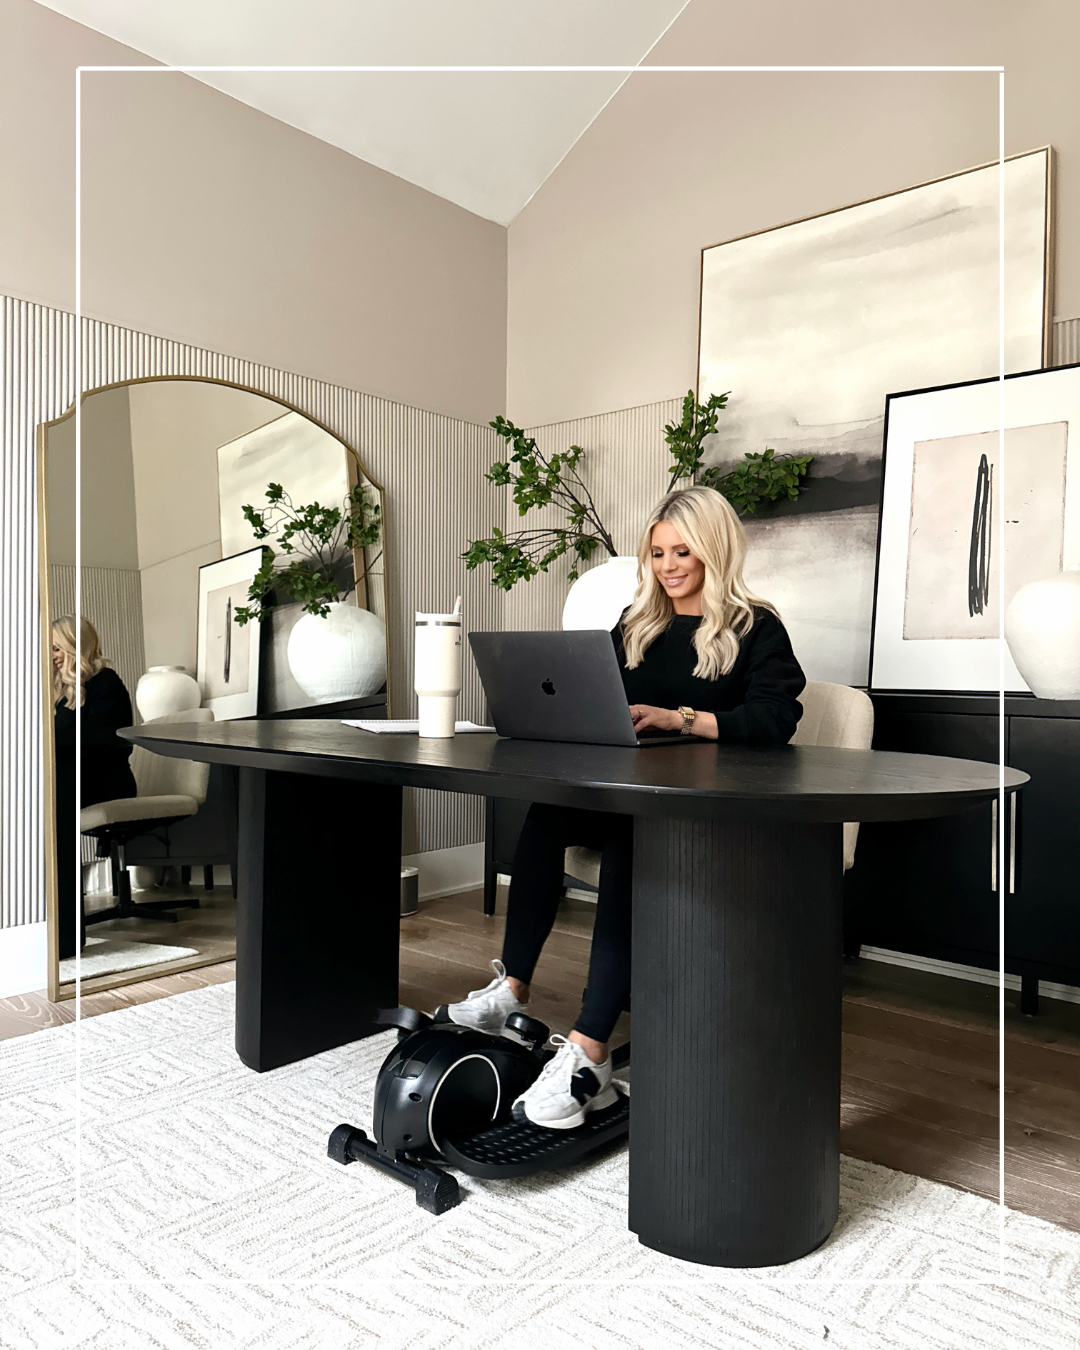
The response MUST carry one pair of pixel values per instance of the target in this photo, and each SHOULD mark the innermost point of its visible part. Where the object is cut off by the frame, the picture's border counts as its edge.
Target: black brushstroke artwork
(979, 554)
(228, 638)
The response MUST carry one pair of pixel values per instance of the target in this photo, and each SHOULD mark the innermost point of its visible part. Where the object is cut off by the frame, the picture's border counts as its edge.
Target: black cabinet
(1042, 914)
(933, 888)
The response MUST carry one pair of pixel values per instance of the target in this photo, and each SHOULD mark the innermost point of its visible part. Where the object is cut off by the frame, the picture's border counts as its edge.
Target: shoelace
(500, 975)
(553, 1065)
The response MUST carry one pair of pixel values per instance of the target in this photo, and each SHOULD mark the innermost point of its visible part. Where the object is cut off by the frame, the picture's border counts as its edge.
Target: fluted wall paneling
(625, 469)
(431, 466)
(1066, 342)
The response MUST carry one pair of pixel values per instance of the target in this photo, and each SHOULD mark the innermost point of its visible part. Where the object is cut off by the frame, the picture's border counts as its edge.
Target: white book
(460, 728)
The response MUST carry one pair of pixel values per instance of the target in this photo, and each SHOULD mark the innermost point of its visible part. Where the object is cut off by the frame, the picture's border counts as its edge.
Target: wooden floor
(920, 1075)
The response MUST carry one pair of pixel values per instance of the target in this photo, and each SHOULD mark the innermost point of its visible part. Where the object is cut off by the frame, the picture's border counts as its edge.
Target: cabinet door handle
(1012, 843)
(994, 845)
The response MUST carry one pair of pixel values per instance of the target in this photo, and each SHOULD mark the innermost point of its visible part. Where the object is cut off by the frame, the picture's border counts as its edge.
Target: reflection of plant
(759, 479)
(685, 437)
(541, 480)
(320, 540)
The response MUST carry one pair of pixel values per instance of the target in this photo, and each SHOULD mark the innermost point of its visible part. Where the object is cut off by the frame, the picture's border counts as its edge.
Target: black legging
(535, 888)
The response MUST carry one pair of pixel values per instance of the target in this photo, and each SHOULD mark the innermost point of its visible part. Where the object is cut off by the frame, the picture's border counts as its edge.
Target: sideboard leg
(317, 913)
(1029, 995)
(737, 971)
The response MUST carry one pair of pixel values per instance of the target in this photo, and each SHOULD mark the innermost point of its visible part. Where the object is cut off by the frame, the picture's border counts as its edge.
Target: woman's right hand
(647, 718)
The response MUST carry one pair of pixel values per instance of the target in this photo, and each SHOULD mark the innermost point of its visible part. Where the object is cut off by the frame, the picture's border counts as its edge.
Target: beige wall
(211, 223)
(176, 428)
(604, 261)
(109, 536)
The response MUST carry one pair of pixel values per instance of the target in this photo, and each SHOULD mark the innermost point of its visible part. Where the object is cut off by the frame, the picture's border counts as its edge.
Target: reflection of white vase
(601, 594)
(166, 689)
(340, 656)
(1042, 628)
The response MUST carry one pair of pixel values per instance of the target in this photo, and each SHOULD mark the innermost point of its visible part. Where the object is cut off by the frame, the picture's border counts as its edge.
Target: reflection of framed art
(953, 485)
(810, 324)
(228, 660)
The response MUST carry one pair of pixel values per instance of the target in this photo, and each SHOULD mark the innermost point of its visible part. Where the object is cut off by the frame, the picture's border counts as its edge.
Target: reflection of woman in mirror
(99, 694)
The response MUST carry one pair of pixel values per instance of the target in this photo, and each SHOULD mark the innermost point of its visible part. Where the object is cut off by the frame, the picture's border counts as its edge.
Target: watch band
(688, 715)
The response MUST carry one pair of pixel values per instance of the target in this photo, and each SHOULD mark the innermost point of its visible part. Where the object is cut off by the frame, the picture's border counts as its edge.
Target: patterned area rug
(210, 1217)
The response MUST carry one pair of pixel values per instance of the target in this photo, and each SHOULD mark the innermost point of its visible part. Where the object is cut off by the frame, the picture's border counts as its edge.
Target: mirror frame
(60, 992)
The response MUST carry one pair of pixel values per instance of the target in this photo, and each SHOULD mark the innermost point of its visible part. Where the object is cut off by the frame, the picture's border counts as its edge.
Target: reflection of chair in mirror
(169, 790)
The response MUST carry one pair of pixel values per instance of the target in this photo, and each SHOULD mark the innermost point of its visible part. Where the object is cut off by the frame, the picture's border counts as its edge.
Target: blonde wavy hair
(66, 689)
(714, 534)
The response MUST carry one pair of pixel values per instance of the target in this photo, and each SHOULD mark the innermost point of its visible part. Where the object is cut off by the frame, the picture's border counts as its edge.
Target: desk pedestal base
(737, 969)
(317, 913)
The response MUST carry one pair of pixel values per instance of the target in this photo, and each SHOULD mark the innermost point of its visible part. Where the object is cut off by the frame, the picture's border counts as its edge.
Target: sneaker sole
(600, 1102)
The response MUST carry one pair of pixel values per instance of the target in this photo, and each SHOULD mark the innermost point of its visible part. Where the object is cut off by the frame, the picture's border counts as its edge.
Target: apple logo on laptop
(548, 687)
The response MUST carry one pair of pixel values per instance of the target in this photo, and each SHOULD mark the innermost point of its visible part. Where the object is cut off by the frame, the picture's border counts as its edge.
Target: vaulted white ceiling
(485, 140)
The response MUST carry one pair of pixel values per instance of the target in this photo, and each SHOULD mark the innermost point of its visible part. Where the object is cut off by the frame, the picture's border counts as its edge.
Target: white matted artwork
(309, 462)
(810, 325)
(964, 466)
(228, 653)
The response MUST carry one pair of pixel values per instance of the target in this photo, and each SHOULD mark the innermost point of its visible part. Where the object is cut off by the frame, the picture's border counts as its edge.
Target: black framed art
(980, 497)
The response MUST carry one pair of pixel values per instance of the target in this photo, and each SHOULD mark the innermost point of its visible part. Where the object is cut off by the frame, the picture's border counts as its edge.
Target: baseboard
(446, 871)
(1047, 988)
(23, 959)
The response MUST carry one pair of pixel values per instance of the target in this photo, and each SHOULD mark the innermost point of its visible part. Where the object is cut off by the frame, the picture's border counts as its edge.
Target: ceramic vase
(598, 598)
(339, 656)
(1042, 628)
(166, 689)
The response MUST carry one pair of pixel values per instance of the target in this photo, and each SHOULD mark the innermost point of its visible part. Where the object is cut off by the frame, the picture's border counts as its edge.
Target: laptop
(559, 687)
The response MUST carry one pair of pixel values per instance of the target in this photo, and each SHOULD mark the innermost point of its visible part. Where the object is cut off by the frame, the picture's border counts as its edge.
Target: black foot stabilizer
(436, 1190)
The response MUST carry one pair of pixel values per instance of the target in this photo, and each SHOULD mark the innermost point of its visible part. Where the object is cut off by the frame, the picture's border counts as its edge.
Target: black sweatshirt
(755, 703)
(106, 773)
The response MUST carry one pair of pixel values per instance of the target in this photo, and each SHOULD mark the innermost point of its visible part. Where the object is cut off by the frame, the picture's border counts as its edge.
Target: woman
(700, 654)
(104, 705)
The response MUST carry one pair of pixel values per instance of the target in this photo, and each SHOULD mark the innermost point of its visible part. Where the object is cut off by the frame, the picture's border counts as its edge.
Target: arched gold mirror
(194, 495)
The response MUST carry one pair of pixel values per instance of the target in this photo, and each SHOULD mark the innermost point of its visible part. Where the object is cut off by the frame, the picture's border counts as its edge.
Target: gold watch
(688, 715)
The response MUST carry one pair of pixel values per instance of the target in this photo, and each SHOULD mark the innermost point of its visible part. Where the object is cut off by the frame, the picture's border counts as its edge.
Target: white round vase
(166, 689)
(1042, 628)
(598, 598)
(340, 656)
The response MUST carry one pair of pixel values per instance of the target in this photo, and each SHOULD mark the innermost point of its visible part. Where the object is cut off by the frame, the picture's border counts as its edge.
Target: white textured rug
(107, 956)
(211, 1218)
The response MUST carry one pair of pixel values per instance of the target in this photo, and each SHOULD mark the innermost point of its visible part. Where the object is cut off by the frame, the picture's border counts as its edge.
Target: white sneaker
(485, 1009)
(569, 1087)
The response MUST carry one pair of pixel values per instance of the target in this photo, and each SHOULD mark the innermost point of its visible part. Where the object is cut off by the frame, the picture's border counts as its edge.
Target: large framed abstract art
(981, 495)
(811, 324)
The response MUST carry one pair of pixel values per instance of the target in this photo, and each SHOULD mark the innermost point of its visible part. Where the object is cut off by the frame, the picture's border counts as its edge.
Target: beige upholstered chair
(168, 790)
(833, 714)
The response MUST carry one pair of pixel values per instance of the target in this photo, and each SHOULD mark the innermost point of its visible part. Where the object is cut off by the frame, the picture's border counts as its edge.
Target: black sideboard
(932, 887)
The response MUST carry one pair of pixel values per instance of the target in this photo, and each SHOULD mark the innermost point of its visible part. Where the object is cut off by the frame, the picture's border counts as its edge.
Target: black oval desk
(737, 936)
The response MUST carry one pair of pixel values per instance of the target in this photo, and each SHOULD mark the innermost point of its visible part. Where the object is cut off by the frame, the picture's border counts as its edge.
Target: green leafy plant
(762, 478)
(539, 480)
(318, 542)
(685, 438)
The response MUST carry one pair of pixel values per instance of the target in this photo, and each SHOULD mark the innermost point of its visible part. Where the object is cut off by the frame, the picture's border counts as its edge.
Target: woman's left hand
(659, 719)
